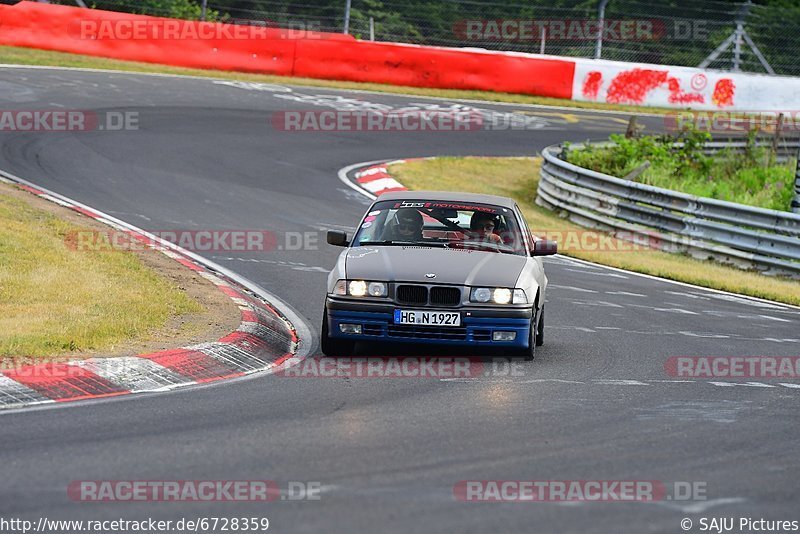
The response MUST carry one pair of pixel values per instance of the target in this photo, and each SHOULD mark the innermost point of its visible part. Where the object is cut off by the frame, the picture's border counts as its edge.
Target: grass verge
(31, 56)
(56, 300)
(518, 178)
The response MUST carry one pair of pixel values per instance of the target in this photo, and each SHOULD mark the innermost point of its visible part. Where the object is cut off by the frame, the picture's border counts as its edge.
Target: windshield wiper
(486, 247)
(393, 243)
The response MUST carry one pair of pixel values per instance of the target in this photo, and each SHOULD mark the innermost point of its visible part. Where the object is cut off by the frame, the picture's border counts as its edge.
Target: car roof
(449, 196)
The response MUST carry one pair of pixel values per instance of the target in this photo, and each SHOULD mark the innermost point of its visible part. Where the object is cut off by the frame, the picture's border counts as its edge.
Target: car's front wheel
(332, 346)
(540, 330)
(530, 352)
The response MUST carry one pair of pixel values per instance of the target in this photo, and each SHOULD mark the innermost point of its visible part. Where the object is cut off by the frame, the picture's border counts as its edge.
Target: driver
(407, 226)
(482, 226)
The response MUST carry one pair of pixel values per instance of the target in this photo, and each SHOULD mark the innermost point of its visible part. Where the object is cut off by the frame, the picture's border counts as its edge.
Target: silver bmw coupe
(429, 267)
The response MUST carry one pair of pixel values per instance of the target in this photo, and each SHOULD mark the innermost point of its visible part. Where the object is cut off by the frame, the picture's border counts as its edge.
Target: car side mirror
(337, 238)
(544, 247)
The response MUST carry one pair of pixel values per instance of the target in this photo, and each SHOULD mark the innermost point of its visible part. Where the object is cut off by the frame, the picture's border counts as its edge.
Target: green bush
(750, 177)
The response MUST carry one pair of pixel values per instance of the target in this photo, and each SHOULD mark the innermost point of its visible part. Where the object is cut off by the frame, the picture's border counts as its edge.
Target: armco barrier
(745, 236)
(785, 150)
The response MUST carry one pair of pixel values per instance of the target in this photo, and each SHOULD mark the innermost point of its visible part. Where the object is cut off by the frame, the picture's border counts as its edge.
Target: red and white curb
(268, 336)
(376, 179)
(372, 179)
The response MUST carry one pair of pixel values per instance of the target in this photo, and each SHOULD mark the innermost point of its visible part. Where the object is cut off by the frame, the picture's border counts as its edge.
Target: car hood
(451, 266)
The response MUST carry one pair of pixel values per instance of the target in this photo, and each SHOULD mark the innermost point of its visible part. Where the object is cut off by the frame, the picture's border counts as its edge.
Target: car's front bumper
(477, 325)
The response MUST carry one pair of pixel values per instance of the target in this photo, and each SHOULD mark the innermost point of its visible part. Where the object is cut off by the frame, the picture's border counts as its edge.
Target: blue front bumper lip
(477, 331)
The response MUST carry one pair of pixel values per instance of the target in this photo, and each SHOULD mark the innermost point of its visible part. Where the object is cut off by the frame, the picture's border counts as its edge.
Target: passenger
(482, 226)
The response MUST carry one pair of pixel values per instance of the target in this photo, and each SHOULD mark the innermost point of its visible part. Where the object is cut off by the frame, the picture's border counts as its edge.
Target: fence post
(632, 128)
(203, 9)
(601, 19)
(796, 199)
(777, 138)
(541, 40)
(347, 17)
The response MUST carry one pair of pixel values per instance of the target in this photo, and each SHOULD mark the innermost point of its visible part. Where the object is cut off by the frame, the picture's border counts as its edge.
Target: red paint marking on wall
(679, 96)
(591, 86)
(633, 86)
(724, 90)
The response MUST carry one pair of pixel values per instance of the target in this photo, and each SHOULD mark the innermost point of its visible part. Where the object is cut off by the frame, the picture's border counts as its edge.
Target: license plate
(428, 318)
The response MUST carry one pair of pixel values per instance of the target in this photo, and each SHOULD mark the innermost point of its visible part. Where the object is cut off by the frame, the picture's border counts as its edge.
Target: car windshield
(445, 224)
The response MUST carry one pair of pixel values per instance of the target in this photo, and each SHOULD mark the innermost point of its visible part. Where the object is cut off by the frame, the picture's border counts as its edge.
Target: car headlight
(501, 295)
(377, 289)
(481, 294)
(498, 295)
(360, 288)
(357, 288)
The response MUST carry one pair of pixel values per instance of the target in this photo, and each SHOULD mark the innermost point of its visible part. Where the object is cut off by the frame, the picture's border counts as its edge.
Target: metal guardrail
(746, 236)
(784, 150)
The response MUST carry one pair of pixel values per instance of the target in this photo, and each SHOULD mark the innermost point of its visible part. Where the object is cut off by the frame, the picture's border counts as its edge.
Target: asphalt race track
(596, 404)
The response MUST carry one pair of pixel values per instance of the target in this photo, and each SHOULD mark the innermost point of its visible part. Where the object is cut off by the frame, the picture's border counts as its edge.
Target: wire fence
(727, 35)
